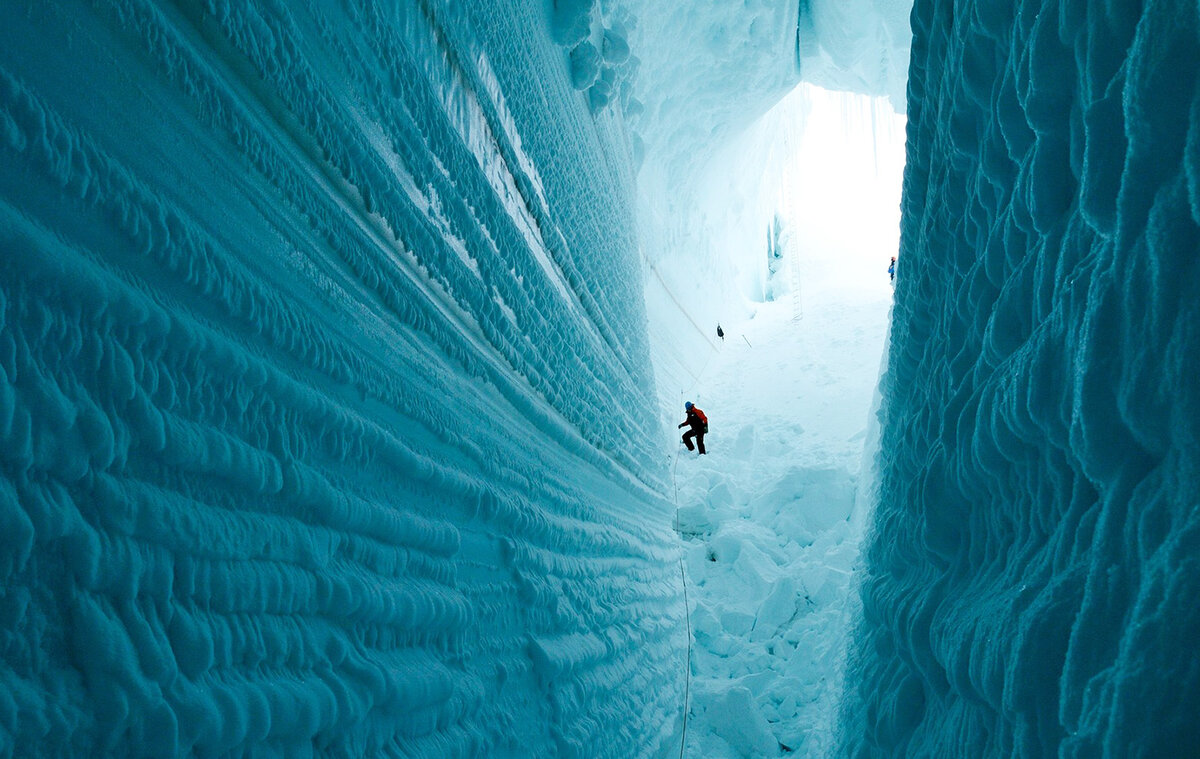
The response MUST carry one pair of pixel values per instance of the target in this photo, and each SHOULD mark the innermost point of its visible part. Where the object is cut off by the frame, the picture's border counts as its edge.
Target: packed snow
(772, 515)
(766, 517)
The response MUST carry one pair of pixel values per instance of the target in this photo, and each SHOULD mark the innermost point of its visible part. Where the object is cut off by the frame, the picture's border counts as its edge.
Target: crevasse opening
(772, 515)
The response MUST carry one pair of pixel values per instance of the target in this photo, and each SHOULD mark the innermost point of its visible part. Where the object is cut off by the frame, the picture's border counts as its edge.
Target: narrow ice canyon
(342, 346)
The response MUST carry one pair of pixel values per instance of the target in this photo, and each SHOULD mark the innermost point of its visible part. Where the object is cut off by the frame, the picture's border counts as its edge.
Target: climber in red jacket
(698, 424)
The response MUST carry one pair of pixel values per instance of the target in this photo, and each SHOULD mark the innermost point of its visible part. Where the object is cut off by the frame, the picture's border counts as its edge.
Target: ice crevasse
(327, 421)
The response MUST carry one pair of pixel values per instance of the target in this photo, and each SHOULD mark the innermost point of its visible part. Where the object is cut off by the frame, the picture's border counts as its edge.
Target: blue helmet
(688, 405)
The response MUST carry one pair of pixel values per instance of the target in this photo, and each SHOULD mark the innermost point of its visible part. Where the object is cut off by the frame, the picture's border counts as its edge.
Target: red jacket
(696, 419)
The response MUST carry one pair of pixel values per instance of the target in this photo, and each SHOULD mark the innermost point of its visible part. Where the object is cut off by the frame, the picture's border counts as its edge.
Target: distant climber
(892, 270)
(720, 332)
(698, 427)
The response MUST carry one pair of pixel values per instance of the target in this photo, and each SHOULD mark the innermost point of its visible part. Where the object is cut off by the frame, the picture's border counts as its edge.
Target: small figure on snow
(720, 332)
(892, 270)
(698, 426)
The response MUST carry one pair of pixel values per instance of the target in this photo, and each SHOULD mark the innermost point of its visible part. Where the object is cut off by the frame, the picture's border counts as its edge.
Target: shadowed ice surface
(1031, 586)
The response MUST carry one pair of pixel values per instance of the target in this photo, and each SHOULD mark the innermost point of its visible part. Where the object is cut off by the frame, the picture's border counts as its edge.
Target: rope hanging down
(687, 615)
(687, 681)
(682, 310)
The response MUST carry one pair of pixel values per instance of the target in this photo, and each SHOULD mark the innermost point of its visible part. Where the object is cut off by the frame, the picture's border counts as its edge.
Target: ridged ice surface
(1032, 581)
(325, 422)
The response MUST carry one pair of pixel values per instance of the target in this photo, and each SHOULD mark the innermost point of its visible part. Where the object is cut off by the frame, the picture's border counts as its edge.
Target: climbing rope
(687, 680)
(703, 332)
(687, 609)
(687, 615)
(675, 484)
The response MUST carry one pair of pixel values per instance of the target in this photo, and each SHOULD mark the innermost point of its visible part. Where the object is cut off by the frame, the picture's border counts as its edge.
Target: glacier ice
(1030, 589)
(315, 436)
(328, 410)
(331, 409)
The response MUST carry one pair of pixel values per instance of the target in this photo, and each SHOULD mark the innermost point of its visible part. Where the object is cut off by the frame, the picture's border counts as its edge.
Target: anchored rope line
(682, 310)
(687, 615)
(687, 681)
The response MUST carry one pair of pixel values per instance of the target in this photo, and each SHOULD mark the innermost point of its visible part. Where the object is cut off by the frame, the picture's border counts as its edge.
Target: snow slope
(767, 518)
(773, 515)
(1031, 586)
(317, 436)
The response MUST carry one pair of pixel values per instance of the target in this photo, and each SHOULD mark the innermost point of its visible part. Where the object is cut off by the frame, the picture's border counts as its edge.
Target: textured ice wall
(324, 403)
(1032, 582)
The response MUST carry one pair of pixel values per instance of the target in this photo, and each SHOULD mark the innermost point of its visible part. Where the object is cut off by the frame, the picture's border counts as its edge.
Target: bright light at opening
(840, 188)
(806, 200)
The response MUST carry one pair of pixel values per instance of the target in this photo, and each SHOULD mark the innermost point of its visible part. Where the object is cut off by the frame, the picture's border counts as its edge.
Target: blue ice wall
(325, 404)
(1033, 575)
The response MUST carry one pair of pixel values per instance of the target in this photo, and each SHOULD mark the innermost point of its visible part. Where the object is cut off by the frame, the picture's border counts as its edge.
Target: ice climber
(698, 426)
(892, 270)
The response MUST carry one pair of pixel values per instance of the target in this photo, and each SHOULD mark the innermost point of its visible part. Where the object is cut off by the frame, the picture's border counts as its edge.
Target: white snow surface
(768, 515)
(773, 514)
